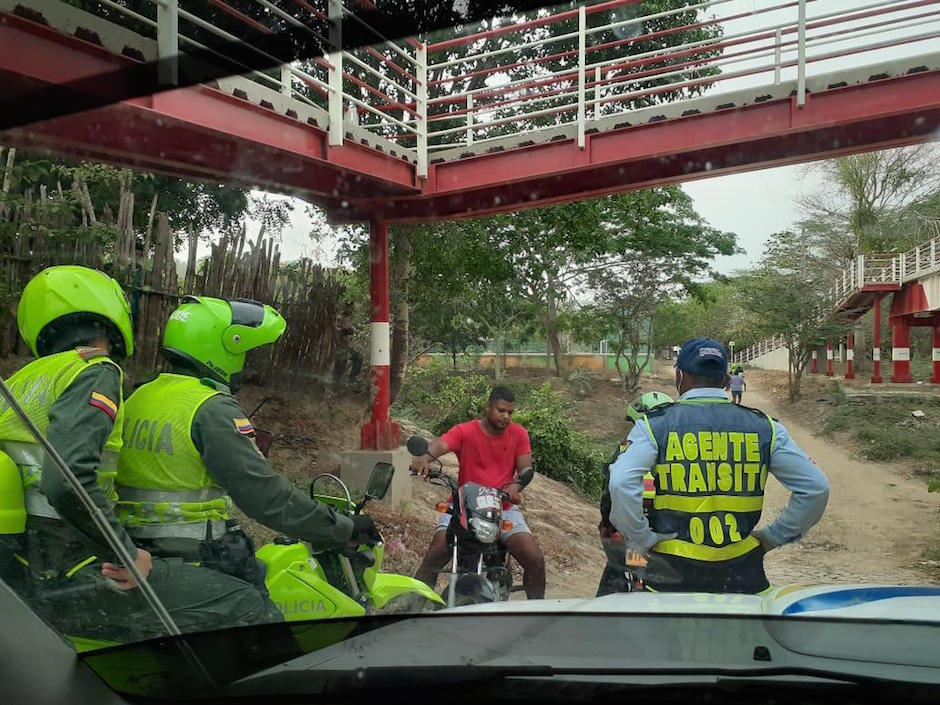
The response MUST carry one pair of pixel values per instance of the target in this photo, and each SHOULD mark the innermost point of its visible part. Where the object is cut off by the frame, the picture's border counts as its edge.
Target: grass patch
(886, 430)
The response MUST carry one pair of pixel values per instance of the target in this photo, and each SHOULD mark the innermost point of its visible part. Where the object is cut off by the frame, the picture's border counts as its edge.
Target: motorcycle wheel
(407, 604)
(473, 589)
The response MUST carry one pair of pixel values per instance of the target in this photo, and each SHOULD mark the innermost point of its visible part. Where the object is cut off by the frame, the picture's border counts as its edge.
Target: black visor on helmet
(81, 328)
(247, 312)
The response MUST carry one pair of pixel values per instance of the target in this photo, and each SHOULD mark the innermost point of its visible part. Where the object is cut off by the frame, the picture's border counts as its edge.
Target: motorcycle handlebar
(367, 560)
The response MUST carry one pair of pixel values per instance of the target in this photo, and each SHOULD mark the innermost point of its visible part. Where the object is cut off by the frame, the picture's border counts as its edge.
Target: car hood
(862, 631)
(859, 601)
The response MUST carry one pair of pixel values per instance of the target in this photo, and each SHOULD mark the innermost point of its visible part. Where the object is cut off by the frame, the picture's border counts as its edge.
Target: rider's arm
(809, 491)
(626, 489)
(438, 447)
(605, 488)
(78, 429)
(237, 465)
(523, 449)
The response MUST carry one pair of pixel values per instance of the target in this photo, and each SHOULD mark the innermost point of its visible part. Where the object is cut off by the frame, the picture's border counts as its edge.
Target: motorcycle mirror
(380, 480)
(526, 476)
(264, 440)
(417, 446)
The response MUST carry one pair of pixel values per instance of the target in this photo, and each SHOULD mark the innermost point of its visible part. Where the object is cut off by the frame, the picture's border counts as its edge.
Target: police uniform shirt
(791, 466)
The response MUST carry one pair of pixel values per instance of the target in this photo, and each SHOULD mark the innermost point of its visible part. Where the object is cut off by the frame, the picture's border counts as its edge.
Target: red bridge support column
(935, 377)
(815, 368)
(828, 358)
(876, 343)
(850, 357)
(380, 433)
(901, 352)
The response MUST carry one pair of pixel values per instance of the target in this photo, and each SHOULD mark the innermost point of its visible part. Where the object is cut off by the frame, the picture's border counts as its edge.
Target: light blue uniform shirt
(809, 488)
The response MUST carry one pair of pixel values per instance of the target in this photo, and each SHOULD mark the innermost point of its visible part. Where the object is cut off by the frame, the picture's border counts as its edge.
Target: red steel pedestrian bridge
(551, 108)
(911, 278)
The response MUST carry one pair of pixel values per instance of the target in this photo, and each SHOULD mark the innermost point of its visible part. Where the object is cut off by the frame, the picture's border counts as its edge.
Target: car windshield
(659, 279)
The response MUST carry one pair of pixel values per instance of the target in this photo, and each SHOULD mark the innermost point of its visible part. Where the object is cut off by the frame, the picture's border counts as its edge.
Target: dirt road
(878, 521)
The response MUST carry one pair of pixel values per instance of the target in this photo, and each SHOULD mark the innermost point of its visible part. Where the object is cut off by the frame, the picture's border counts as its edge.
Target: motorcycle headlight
(484, 530)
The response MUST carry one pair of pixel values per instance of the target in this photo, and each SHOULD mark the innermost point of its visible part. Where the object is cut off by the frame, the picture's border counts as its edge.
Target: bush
(560, 452)
(581, 382)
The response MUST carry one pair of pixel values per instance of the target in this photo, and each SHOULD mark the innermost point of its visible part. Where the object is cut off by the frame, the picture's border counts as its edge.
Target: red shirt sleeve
(454, 438)
(523, 446)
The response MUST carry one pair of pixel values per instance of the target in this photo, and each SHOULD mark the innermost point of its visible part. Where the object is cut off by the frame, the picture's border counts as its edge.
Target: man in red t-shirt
(491, 451)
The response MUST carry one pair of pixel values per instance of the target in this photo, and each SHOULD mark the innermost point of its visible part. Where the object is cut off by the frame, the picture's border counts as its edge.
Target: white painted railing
(583, 68)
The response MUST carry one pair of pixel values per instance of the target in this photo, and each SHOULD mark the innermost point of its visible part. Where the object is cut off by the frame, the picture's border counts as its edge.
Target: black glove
(364, 531)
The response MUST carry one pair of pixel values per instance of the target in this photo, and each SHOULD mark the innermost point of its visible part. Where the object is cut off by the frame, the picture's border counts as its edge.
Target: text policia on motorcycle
(77, 323)
(492, 452)
(709, 460)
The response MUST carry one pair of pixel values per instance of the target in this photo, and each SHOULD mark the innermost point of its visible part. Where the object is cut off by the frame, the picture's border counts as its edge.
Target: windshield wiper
(338, 681)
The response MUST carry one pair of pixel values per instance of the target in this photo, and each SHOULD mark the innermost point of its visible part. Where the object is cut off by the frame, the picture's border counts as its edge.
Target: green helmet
(64, 306)
(214, 334)
(646, 403)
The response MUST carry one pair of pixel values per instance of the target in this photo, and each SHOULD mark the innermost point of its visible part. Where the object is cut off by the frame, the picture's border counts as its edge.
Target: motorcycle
(345, 582)
(479, 568)
(626, 568)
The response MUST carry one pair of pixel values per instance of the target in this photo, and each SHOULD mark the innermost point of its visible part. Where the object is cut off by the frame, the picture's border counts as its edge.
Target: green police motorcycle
(335, 583)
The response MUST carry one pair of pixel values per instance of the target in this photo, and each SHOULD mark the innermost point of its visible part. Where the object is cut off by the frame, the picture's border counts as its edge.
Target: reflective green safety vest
(711, 470)
(37, 386)
(164, 488)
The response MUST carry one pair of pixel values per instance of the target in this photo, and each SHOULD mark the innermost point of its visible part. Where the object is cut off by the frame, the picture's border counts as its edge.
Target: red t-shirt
(485, 459)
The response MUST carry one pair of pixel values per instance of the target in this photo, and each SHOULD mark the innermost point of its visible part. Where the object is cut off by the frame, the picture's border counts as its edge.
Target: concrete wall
(774, 360)
(931, 285)
(589, 361)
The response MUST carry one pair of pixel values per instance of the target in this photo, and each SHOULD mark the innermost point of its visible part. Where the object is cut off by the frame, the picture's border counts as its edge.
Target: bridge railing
(598, 65)
(759, 348)
(604, 60)
(920, 261)
(381, 89)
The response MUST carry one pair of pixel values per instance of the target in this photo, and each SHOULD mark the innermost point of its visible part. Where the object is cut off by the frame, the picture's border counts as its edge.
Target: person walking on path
(737, 385)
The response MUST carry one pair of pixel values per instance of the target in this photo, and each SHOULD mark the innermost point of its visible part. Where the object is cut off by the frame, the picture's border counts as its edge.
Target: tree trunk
(189, 284)
(399, 274)
(86, 202)
(551, 332)
(148, 236)
(796, 365)
(617, 357)
(500, 362)
(7, 176)
(861, 362)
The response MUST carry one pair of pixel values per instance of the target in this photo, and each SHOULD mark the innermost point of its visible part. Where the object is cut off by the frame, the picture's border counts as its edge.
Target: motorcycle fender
(300, 593)
(385, 586)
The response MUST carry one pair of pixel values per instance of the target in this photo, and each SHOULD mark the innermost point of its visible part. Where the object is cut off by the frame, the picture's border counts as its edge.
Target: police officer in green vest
(710, 460)
(77, 323)
(189, 449)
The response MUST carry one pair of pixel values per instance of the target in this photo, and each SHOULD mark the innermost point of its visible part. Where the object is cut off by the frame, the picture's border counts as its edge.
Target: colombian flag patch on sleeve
(244, 426)
(102, 402)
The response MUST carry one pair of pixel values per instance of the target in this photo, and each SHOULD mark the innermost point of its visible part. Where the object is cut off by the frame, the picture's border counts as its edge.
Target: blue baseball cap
(703, 357)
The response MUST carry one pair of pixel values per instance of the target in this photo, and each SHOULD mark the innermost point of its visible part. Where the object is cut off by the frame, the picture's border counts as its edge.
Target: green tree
(875, 202)
(783, 297)
(557, 252)
(710, 309)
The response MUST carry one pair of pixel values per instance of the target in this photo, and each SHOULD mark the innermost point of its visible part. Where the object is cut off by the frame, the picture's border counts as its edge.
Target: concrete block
(356, 466)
